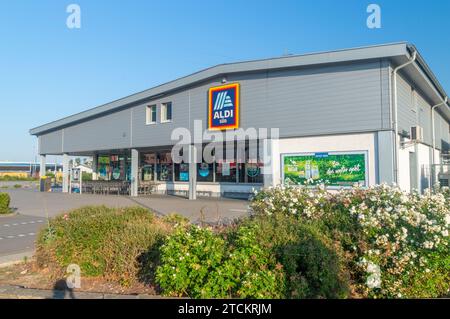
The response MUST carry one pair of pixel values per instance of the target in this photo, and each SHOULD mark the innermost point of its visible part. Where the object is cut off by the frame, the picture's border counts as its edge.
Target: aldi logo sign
(223, 107)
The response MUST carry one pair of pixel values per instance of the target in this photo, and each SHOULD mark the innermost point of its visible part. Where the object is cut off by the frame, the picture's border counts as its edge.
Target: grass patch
(9, 178)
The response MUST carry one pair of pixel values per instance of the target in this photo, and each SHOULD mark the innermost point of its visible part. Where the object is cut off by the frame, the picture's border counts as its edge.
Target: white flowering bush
(303, 202)
(397, 244)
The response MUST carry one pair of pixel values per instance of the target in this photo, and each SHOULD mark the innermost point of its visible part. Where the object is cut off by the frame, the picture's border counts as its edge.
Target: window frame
(164, 112)
(149, 113)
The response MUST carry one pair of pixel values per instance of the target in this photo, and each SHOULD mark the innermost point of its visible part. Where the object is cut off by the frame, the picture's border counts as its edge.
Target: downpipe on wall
(395, 107)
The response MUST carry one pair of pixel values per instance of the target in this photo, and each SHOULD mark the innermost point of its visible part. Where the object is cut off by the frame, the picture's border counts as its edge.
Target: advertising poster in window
(103, 166)
(332, 169)
(226, 169)
(184, 172)
(75, 180)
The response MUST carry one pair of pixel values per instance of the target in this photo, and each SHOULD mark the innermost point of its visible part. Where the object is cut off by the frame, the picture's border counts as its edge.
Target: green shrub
(17, 186)
(249, 271)
(103, 241)
(9, 178)
(199, 263)
(4, 203)
(312, 264)
(86, 176)
(50, 175)
(176, 219)
(313, 267)
(188, 257)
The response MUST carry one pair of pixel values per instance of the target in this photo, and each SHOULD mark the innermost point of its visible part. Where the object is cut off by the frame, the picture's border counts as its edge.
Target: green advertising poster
(332, 169)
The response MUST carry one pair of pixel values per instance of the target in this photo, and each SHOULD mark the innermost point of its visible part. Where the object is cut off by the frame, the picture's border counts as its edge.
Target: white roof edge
(327, 57)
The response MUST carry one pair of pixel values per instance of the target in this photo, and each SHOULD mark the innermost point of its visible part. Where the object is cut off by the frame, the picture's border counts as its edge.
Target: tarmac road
(18, 232)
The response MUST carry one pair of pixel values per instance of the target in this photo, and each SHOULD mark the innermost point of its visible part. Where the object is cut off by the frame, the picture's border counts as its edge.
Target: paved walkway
(16, 292)
(18, 232)
(30, 202)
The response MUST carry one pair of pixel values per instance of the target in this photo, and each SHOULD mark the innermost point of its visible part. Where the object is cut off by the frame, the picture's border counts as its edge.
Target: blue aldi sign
(223, 107)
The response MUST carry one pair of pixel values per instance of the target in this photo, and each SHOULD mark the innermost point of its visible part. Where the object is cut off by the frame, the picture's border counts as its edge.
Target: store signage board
(223, 107)
(76, 181)
(334, 169)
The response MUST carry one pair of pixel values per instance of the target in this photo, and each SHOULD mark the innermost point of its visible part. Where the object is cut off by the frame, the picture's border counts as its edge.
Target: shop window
(148, 167)
(205, 172)
(115, 167)
(182, 172)
(166, 112)
(147, 173)
(226, 171)
(128, 168)
(251, 173)
(104, 167)
(151, 114)
(165, 172)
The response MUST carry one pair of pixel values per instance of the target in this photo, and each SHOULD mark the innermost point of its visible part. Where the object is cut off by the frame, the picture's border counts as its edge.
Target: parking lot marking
(17, 236)
(24, 223)
(238, 210)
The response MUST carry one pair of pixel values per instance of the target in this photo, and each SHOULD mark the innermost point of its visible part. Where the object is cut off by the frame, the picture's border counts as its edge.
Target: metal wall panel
(407, 116)
(442, 132)
(415, 110)
(107, 132)
(159, 134)
(317, 100)
(51, 143)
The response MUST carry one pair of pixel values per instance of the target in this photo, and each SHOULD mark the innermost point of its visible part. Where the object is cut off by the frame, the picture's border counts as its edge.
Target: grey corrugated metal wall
(310, 101)
(414, 110)
(51, 143)
(108, 132)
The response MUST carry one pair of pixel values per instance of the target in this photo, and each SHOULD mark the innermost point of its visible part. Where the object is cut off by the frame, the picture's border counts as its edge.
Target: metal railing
(106, 187)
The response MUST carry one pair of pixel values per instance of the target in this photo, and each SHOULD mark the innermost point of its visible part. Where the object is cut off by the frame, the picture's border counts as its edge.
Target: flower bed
(300, 243)
(396, 244)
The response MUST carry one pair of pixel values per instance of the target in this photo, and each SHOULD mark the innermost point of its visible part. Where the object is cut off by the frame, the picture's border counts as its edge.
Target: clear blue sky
(48, 71)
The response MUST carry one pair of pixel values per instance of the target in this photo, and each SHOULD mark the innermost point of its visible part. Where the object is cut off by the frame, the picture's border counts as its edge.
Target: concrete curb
(18, 292)
(13, 259)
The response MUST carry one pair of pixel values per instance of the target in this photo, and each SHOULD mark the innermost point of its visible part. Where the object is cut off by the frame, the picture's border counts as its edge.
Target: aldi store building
(358, 116)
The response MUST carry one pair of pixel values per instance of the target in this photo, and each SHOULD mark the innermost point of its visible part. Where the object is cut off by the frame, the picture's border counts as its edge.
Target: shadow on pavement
(60, 290)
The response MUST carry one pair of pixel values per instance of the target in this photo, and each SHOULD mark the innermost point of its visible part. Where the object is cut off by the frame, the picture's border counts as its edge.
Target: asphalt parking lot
(33, 208)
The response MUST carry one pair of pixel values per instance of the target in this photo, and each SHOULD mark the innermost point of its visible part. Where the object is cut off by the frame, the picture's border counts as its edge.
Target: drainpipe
(444, 102)
(394, 74)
